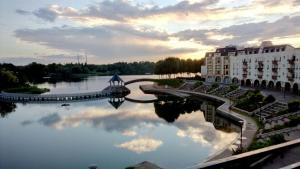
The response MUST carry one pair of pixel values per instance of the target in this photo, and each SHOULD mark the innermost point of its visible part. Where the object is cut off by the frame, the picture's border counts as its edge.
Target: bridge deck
(20, 97)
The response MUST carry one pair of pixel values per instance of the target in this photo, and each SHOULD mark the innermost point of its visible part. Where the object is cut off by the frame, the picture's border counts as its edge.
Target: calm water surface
(49, 136)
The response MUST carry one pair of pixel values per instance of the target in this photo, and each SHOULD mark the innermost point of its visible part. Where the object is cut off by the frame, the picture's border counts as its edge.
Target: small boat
(65, 104)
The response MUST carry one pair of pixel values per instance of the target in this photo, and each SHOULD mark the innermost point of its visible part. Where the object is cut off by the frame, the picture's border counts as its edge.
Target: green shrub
(269, 99)
(294, 106)
(233, 87)
(170, 82)
(294, 121)
(275, 139)
(198, 83)
(215, 85)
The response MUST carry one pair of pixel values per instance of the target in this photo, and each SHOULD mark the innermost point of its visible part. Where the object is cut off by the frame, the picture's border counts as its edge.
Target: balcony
(260, 76)
(275, 69)
(291, 69)
(275, 62)
(244, 75)
(260, 69)
(292, 60)
(274, 77)
(291, 77)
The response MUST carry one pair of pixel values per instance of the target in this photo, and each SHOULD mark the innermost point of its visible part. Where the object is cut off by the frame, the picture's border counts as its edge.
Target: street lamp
(260, 104)
(241, 125)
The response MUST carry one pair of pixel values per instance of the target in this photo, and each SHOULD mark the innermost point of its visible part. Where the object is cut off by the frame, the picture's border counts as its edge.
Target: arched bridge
(140, 80)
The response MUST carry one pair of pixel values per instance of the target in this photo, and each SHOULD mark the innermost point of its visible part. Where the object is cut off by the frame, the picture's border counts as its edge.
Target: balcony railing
(260, 69)
(274, 77)
(291, 77)
(291, 69)
(275, 62)
(260, 76)
(245, 75)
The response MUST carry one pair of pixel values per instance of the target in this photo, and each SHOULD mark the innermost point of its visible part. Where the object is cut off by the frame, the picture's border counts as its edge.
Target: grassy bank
(170, 82)
(27, 89)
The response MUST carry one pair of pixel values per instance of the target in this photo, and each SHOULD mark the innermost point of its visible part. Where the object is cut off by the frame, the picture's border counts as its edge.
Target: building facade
(266, 66)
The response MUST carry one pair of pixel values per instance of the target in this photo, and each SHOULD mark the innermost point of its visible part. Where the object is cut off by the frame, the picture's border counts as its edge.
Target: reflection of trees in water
(170, 110)
(6, 108)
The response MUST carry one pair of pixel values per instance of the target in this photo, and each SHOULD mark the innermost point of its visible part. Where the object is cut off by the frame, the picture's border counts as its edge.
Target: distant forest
(36, 73)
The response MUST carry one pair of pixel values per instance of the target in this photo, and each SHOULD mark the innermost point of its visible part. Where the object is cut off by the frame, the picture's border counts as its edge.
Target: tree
(8, 79)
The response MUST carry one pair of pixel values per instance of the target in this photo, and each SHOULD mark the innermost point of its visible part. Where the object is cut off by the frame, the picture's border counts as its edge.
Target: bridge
(140, 101)
(140, 80)
(20, 97)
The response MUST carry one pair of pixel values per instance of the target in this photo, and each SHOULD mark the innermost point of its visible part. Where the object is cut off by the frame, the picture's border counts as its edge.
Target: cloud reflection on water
(141, 145)
(130, 119)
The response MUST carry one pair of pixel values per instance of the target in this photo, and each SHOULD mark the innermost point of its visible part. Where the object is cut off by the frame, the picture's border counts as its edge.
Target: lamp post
(241, 125)
(260, 104)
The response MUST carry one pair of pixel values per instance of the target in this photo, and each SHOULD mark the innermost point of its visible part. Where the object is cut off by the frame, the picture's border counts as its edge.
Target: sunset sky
(109, 31)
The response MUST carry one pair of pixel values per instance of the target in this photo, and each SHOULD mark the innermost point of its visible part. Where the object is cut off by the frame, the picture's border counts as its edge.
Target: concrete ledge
(245, 158)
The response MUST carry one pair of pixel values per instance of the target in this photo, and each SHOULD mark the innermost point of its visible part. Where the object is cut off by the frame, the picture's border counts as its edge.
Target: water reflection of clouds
(141, 145)
(129, 119)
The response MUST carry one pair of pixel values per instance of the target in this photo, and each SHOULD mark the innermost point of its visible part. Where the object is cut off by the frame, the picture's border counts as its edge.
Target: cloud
(104, 42)
(50, 120)
(23, 12)
(120, 10)
(41, 58)
(243, 33)
(141, 145)
(46, 14)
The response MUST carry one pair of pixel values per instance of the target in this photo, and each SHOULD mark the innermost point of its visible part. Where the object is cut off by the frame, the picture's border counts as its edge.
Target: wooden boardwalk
(20, 97)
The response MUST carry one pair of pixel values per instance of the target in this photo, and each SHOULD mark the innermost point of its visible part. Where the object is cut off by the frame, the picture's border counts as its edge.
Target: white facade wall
(265, 66)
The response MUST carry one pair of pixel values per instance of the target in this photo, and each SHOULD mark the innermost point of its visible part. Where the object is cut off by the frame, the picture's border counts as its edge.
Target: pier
(115, 89)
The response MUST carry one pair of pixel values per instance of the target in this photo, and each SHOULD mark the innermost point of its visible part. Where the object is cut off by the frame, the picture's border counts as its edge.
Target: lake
(169, 132)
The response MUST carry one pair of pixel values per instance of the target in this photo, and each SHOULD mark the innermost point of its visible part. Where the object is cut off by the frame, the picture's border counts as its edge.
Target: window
(267, 51)
(277, 50)
(272, 50)
(282, 49)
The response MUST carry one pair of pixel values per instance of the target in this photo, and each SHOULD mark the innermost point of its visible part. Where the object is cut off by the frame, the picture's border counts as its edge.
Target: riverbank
(27, 89)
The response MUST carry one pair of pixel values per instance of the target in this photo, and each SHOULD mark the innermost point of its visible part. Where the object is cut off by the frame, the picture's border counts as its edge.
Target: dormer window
(277, 50)
(267, 51)
(272, 50)
(282, 49)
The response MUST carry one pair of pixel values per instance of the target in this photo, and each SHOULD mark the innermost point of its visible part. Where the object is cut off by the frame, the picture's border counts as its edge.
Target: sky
(108, 31)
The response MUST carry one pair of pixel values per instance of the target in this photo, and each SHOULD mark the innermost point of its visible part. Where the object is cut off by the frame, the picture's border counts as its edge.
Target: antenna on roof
(77, 58)
(86, 59)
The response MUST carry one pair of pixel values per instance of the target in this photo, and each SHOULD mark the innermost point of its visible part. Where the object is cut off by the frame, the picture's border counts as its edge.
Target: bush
(250, 101)
(215, 85)
(269, 99)
(198, 83)
(275, 139)
(170, 82)
(294, 121)
(233, 87)
(294, 106)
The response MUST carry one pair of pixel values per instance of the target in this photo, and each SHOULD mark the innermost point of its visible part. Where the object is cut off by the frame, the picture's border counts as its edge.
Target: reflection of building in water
(220, 122)
(116, 102)
(209, 111)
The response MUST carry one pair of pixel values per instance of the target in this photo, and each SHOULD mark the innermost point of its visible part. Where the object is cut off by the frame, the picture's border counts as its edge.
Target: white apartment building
(266, 66)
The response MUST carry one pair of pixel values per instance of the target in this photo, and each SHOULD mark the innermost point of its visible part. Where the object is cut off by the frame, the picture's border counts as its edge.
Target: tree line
(175, 66)
(13, 76)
